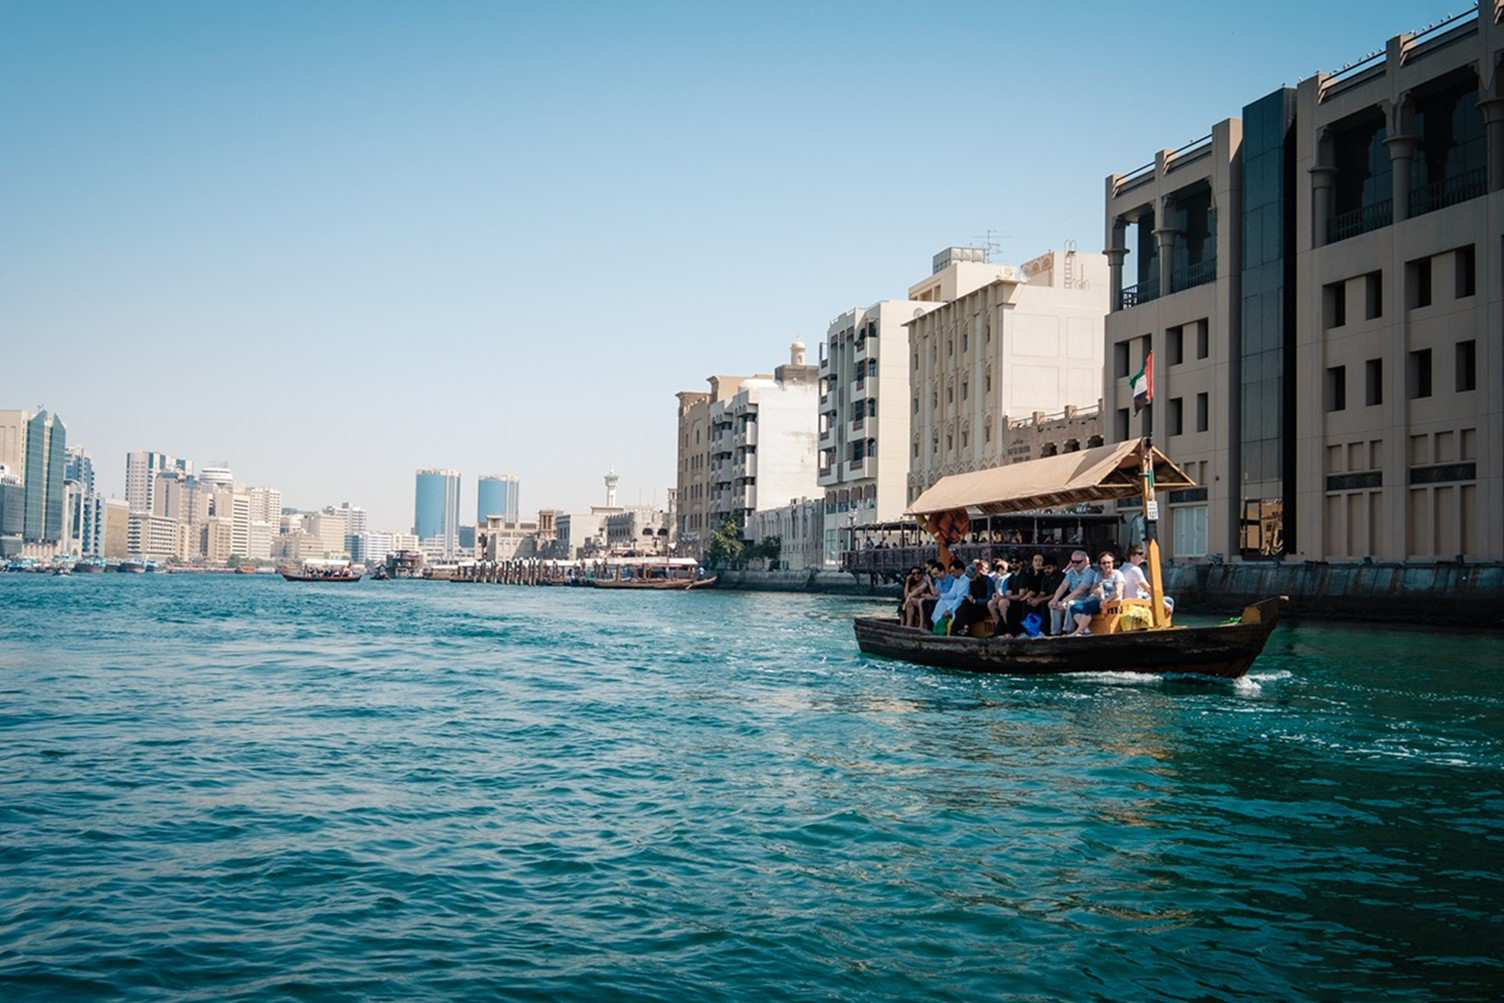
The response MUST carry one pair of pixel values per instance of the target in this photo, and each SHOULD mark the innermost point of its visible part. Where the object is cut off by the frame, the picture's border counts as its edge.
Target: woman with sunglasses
(1110, 585)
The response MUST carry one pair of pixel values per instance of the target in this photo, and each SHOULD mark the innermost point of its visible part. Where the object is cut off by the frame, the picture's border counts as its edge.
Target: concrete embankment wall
(1447, 593)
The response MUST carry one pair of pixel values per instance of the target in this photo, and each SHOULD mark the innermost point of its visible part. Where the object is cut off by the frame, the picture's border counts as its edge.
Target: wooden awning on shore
(1099, 474)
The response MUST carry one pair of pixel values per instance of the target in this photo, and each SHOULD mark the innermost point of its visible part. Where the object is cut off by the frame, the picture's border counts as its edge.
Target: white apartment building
(141, 470)
(1324, 284)
(266, 505)
(799, 528)
(762, 443)
(864, 418)
(1005, 341)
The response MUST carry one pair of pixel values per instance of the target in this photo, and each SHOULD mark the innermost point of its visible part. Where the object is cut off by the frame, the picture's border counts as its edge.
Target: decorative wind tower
(611, 480)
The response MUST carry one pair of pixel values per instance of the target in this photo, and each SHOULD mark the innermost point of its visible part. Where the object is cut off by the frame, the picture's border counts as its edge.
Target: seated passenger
(974, 607)
(924, 599)
(1109, 586)
(954, 588)
(1079, 579)
(908, 602)
(1138, 580)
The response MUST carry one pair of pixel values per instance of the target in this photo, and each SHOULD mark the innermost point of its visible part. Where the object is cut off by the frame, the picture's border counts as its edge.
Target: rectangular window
(1334, 304)
(1418, 375)
(965, 341)
(1175, 337)
(1203, 413)
(1120, 359)
(1467, 271)
(987, 383)
(1203, 339)
(1189, 533)
(1336, 388)
(1176, 415)
(965, 391)
(1467, 366)
(1373, 295)
(1374, 373)
(916, 405)
(1418, 283)
(1122, 425)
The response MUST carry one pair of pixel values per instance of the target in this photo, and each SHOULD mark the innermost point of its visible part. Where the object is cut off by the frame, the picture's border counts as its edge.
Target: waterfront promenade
(221, 787)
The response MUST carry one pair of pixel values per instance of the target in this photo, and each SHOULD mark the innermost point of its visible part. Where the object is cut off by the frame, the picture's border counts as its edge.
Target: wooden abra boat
(664, 574)
(321, 571)
(1131, 635)
(1225, 651)
(654, 584)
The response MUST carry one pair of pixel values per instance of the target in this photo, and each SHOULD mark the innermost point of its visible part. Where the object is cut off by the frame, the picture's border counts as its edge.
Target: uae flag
(1142, 385)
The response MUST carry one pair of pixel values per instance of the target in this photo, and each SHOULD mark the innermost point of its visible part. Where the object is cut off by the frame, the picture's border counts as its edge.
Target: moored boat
(1135, 637)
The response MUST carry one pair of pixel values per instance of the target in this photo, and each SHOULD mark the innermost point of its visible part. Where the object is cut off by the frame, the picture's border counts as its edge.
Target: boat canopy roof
(1099, 474)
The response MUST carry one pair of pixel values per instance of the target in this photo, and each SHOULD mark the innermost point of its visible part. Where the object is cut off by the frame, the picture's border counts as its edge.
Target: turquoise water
(232, 788)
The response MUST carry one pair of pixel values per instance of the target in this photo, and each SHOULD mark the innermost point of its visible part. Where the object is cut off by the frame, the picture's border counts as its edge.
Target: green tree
(726, 548)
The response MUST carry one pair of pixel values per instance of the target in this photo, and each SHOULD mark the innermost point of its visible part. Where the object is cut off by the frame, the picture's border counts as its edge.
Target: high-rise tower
(496, 494)
(436, 510)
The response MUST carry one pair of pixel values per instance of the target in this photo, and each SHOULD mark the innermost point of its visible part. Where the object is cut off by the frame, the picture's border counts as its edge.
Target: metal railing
(1448, 191)
(1360, 220)
(1191, 276)
(1144, 292)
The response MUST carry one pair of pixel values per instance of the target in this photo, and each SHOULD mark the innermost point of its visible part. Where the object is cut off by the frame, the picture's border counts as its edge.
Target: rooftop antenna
(992, 243)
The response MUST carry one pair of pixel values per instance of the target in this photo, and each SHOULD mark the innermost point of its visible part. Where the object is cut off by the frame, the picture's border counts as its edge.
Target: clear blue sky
(334, 242)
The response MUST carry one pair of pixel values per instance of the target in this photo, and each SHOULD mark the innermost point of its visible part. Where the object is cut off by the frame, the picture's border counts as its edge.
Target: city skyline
(624, 203)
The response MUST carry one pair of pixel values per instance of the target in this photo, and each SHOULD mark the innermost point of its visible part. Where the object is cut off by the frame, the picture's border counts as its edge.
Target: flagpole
(1146, 487)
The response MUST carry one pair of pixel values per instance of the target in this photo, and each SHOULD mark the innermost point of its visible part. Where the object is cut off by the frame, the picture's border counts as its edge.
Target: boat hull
(1224, 651)
(320, 578)
(650, 585)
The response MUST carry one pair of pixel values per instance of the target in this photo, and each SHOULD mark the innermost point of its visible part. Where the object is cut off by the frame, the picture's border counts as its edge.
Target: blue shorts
(1091, 607)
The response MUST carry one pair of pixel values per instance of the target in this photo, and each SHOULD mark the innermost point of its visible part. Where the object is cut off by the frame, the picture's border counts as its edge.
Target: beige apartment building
(1004, 342)
(864, 419)
(692, 487)
(1322, 284)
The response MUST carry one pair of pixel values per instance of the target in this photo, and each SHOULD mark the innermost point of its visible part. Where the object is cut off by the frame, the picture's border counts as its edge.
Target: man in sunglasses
(1080, 578)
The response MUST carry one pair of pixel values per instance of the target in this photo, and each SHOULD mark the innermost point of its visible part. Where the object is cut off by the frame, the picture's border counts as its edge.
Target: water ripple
(238, 789)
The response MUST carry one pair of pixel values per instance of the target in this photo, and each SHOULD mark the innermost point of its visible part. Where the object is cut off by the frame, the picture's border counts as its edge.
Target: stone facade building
(1321, 284)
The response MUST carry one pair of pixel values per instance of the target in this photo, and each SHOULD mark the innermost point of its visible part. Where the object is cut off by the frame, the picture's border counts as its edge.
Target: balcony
(828, 435)
(1448, 191)
(856, 428)
(1360, 220)
(858, 389)
(748, 465)
(866, 348)
(747, 497)
(855, 467)
(1192, 276)
(1142, 293)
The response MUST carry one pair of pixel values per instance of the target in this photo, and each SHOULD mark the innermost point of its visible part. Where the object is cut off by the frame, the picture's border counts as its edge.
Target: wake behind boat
(1130, 635)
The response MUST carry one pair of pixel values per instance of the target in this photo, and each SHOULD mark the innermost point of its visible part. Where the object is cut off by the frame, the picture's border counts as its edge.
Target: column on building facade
(1402, 144)
(1116, 252)
(1164, 236)
(1323, 181)
(1492, 109)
